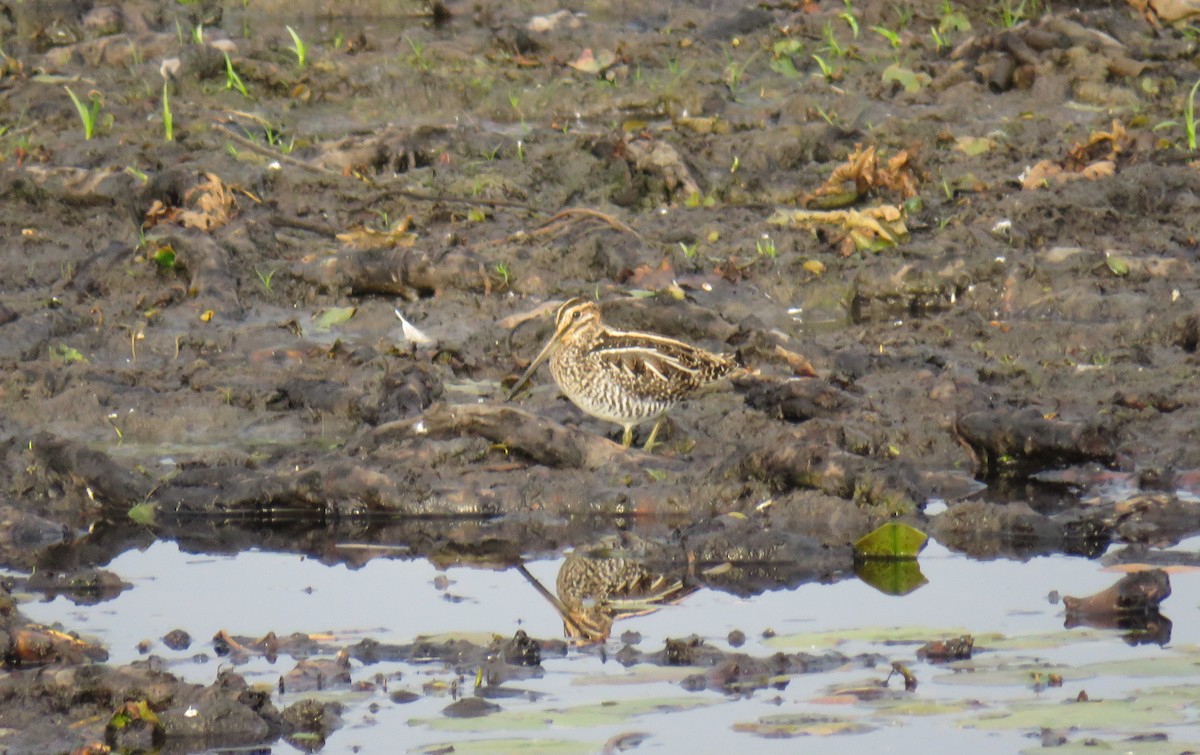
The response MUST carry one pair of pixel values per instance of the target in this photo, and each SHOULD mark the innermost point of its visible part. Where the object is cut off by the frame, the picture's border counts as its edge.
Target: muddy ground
(199, 336)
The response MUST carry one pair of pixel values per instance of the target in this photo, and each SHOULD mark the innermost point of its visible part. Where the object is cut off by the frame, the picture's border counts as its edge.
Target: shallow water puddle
(991, 703)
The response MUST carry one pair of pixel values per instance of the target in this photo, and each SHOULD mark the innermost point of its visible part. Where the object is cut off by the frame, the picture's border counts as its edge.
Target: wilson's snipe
(621, 377)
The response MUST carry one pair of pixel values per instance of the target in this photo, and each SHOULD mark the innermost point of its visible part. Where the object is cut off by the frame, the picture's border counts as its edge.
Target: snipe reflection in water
(597, 587)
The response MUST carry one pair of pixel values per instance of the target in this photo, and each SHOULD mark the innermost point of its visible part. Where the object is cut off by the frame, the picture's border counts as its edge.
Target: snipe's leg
(627, 438)
(654, 433)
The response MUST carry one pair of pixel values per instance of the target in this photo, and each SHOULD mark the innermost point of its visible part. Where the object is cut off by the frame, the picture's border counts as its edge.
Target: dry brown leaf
(799, 364)
(660, 158)
(1171, 10)
(159, 213)
(1098, 169)
(363, 238)
(869, 229)
(653, 278)
(1040, 174)
(211, 202)
(1101, 145)
(589, 63)
(861, 175)
(1096, 158)
(519, 318)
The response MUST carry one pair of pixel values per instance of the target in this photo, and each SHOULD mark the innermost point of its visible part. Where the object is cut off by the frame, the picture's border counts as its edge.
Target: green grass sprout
(232, 80)
(168, 119)
(298, 47)
(89, 113)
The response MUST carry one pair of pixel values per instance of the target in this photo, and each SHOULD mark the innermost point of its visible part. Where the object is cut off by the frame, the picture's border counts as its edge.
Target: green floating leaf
(891, 540)
(1142, 745)
(802, 725)
(1162, 667)
(306, 737)
(878, 635)
(60, 352)
(329, 318)
(522, 746)
(580, 716)
(1007, 671)
(1099, 714)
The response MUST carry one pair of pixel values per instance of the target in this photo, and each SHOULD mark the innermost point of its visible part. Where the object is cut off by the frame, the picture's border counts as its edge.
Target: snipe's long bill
(622, 377)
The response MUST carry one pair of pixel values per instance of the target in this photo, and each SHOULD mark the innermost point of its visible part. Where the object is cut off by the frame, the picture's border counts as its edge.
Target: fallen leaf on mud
(967, 183)
(871, 229)
(164, 257)
(132, 712)
(33, 644)
(911, 80)
(520, 318)
(1096, 158)
(653, 278)
(328, 318)
(1169, 10)
(1046, 171)
(587, 62)
(552, 21)
(1118, 265)
(698, 125)
(397, 235)
(212, 204)
(159, 213)
(974, 145)
(861, 175)
(659, 158)
(64, 354)
(1098, 169)
(1101, 145)
(800, 366)
(1040, 174)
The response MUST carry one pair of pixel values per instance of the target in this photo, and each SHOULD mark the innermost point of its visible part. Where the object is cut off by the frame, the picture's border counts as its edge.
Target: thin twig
(268, 152)
(577, 214)
(390, 190)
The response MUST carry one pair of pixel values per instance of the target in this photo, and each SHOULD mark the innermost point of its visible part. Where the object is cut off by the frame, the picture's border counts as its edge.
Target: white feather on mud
(412, 334)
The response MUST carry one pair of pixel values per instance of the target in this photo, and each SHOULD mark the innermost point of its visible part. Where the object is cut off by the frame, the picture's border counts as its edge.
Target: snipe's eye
(575, 315)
